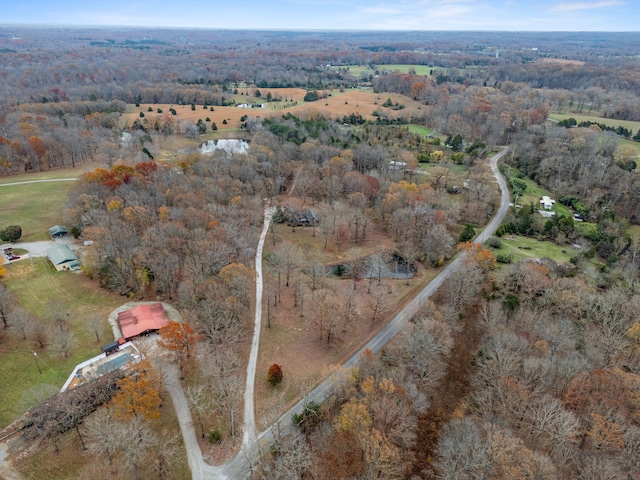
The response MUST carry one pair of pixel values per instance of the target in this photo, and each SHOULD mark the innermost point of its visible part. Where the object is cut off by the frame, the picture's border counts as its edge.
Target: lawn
(36, 284)
(634, 231)
(535, 192)
(636, 145)
(521, 248)
(423, 70)
(34, 206)
(419, 130)
(46, 175)
(458, 175)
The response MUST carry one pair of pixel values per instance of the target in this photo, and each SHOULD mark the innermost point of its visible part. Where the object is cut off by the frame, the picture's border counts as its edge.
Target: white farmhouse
(547, 203)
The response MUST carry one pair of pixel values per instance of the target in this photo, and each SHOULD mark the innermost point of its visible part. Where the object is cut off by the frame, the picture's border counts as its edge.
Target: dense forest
(515, 370)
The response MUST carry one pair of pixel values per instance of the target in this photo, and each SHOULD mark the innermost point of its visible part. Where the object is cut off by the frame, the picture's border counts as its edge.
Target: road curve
(242, 464)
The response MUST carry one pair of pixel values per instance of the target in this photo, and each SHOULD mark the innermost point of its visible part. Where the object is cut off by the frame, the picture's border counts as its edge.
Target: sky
(510, 15)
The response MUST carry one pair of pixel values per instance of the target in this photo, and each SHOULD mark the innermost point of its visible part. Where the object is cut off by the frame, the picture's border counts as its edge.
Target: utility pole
(35, 355)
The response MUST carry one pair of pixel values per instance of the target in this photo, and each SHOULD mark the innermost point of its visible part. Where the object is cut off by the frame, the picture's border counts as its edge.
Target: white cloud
(572, 7)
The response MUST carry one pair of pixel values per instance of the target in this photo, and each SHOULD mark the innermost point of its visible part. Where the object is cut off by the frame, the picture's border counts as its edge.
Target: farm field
(423, 70)
(337, 105)
(612, 122)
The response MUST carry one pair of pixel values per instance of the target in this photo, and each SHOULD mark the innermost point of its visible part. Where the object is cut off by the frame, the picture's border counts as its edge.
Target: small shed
(63, 258)
(58, 231)
(110, 348)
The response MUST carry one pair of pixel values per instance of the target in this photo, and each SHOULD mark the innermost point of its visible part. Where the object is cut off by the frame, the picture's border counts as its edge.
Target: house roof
(58, 230)
(59, 254)
(142, 318)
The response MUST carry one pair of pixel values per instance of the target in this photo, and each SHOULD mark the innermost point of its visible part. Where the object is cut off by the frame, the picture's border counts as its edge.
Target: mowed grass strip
(33, 206)
(36, 284)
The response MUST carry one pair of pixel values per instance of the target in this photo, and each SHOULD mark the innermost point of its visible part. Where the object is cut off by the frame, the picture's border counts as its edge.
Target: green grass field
(423, 70)
(420, 130)
(458, 172)
(357, 70)
(521, 248)
(34, 206)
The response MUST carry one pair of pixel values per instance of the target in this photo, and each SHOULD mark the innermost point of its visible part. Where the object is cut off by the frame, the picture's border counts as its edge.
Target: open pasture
(33, 206)
(335, 105)
(611, 122)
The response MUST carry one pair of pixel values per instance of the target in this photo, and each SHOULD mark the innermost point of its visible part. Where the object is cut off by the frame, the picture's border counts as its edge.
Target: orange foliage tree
(136, 396)
(478, 255)
(178, 339)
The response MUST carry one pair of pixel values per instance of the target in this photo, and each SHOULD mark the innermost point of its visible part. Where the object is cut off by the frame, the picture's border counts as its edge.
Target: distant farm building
(63, 258)
(58, 231)
(142, 319)
(547, 203)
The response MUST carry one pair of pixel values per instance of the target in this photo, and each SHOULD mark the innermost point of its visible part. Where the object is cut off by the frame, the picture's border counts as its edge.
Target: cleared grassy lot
(36, 284)
(420, 130)
(33, 206)
(521, 248)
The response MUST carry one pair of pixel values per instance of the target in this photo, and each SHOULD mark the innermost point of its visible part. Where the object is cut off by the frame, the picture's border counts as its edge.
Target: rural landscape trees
(371, 150)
